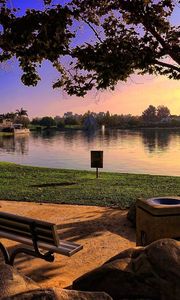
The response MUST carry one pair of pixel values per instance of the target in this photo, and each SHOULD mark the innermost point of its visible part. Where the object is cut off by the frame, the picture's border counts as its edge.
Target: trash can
(157, 218)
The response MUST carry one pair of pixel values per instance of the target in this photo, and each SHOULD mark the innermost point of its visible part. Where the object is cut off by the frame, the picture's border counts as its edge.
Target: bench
(38, 238)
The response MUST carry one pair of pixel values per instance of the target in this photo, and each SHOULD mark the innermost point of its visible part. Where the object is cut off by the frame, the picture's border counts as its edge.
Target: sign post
(97, 161)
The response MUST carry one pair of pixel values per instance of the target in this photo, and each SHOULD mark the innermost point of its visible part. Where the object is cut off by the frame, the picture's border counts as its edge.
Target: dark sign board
(96, 159)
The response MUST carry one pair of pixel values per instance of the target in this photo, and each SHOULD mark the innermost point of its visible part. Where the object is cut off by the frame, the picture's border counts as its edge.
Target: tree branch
(163, 64)
(95, 32)
(167, 49)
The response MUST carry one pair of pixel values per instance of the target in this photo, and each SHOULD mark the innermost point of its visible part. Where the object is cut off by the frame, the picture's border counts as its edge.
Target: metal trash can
(157, 218)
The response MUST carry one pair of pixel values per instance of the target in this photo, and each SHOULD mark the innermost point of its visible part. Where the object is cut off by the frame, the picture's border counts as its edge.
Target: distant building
(68, 114)
(5, 123)
(175, 118)
(166, 120)
(90, 123)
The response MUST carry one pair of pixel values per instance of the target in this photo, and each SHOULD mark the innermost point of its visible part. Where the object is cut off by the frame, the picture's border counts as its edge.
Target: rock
(15, 286)
(58, 294)
(151, 273)
(62, 294)
(33, 295)
(12, 282)
(131, 215)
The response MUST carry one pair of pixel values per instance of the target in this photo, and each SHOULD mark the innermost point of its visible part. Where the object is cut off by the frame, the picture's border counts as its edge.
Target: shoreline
(39, 130)
(106, 128)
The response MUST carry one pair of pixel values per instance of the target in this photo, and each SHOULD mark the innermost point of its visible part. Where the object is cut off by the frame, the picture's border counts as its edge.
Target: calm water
(143, 151)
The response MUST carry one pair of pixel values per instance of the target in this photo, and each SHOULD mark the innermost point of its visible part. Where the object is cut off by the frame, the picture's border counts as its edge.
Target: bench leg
(48, 256)
(9, 259)
(5, 253)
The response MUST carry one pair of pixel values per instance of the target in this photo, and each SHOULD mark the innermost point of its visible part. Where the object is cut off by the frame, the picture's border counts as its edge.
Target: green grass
(2, 133)
(73, 127)
(25, 183)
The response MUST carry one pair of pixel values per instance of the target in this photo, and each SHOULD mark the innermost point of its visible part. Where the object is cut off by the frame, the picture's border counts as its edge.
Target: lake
(150, 151)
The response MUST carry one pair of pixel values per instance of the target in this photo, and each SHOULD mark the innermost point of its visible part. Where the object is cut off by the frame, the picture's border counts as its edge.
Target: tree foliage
(163, 112)
(21, 112)
(47, 121)
(153, 114)
(149, 115)
(130, 36)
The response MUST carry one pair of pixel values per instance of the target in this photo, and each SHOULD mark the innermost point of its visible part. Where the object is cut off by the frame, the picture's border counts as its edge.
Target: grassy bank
(6, 133)
(26, 183)
(66, 127)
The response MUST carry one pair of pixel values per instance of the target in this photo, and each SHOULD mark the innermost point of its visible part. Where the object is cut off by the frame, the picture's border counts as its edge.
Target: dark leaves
(129, 36)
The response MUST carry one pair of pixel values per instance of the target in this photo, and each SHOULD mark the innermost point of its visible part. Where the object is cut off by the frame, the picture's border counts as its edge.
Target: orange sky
(132, 97)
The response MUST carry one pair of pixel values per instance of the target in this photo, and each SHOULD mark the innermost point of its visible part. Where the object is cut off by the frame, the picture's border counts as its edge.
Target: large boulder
(58, 294)
(12, 282)
(151, 273)
(15, 286)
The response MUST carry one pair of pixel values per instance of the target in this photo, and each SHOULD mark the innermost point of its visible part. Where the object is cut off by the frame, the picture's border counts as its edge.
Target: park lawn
(26, 183)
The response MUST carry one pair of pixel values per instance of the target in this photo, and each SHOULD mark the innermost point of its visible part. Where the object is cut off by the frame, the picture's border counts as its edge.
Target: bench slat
(25, 227)
(41, 238)
(17, 228)
(68, 244)
(25, 220)
(14, 224)
(65, 247)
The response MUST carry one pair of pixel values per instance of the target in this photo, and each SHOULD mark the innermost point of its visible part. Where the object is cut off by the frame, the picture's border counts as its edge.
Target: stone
(15, 286)
(12, 282)
(151, 273)
(32, 295)
(58, 294)
(63, 294)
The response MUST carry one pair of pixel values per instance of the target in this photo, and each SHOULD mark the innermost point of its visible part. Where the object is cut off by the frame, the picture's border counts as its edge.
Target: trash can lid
(169, 205)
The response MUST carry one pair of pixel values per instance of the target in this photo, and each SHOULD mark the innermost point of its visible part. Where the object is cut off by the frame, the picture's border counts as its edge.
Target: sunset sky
(131, 97)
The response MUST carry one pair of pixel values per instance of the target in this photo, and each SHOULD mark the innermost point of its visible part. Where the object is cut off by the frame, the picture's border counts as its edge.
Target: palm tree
(21, 112)
(22, 117)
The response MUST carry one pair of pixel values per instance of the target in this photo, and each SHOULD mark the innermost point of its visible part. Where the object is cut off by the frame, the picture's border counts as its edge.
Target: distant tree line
(150, 117)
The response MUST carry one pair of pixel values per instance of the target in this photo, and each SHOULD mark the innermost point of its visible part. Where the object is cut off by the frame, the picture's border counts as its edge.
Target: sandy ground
(103, 232)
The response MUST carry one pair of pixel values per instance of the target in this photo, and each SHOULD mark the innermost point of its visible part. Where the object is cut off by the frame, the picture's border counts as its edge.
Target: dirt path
(102, 231)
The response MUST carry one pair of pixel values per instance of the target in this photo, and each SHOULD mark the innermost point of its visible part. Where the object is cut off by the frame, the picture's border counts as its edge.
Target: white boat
(19, 129)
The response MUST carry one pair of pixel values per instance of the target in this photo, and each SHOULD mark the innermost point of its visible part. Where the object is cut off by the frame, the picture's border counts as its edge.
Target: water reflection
(152, 139)
(158, 139)
(164, 139)
(14, 144)
(145, 151)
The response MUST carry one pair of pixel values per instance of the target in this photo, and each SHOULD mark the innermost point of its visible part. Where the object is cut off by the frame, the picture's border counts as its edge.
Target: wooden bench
(39, 235)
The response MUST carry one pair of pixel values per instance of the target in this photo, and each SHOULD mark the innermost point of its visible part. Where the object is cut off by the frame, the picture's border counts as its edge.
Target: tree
(21, 112)
(70, 119)
(129, 36)
(24, 120)
(59, 122)
(10, 115)
(47, 121)
(107, 119)
(22, 117)
(149, 114)
(163, 112)
(36, 121)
